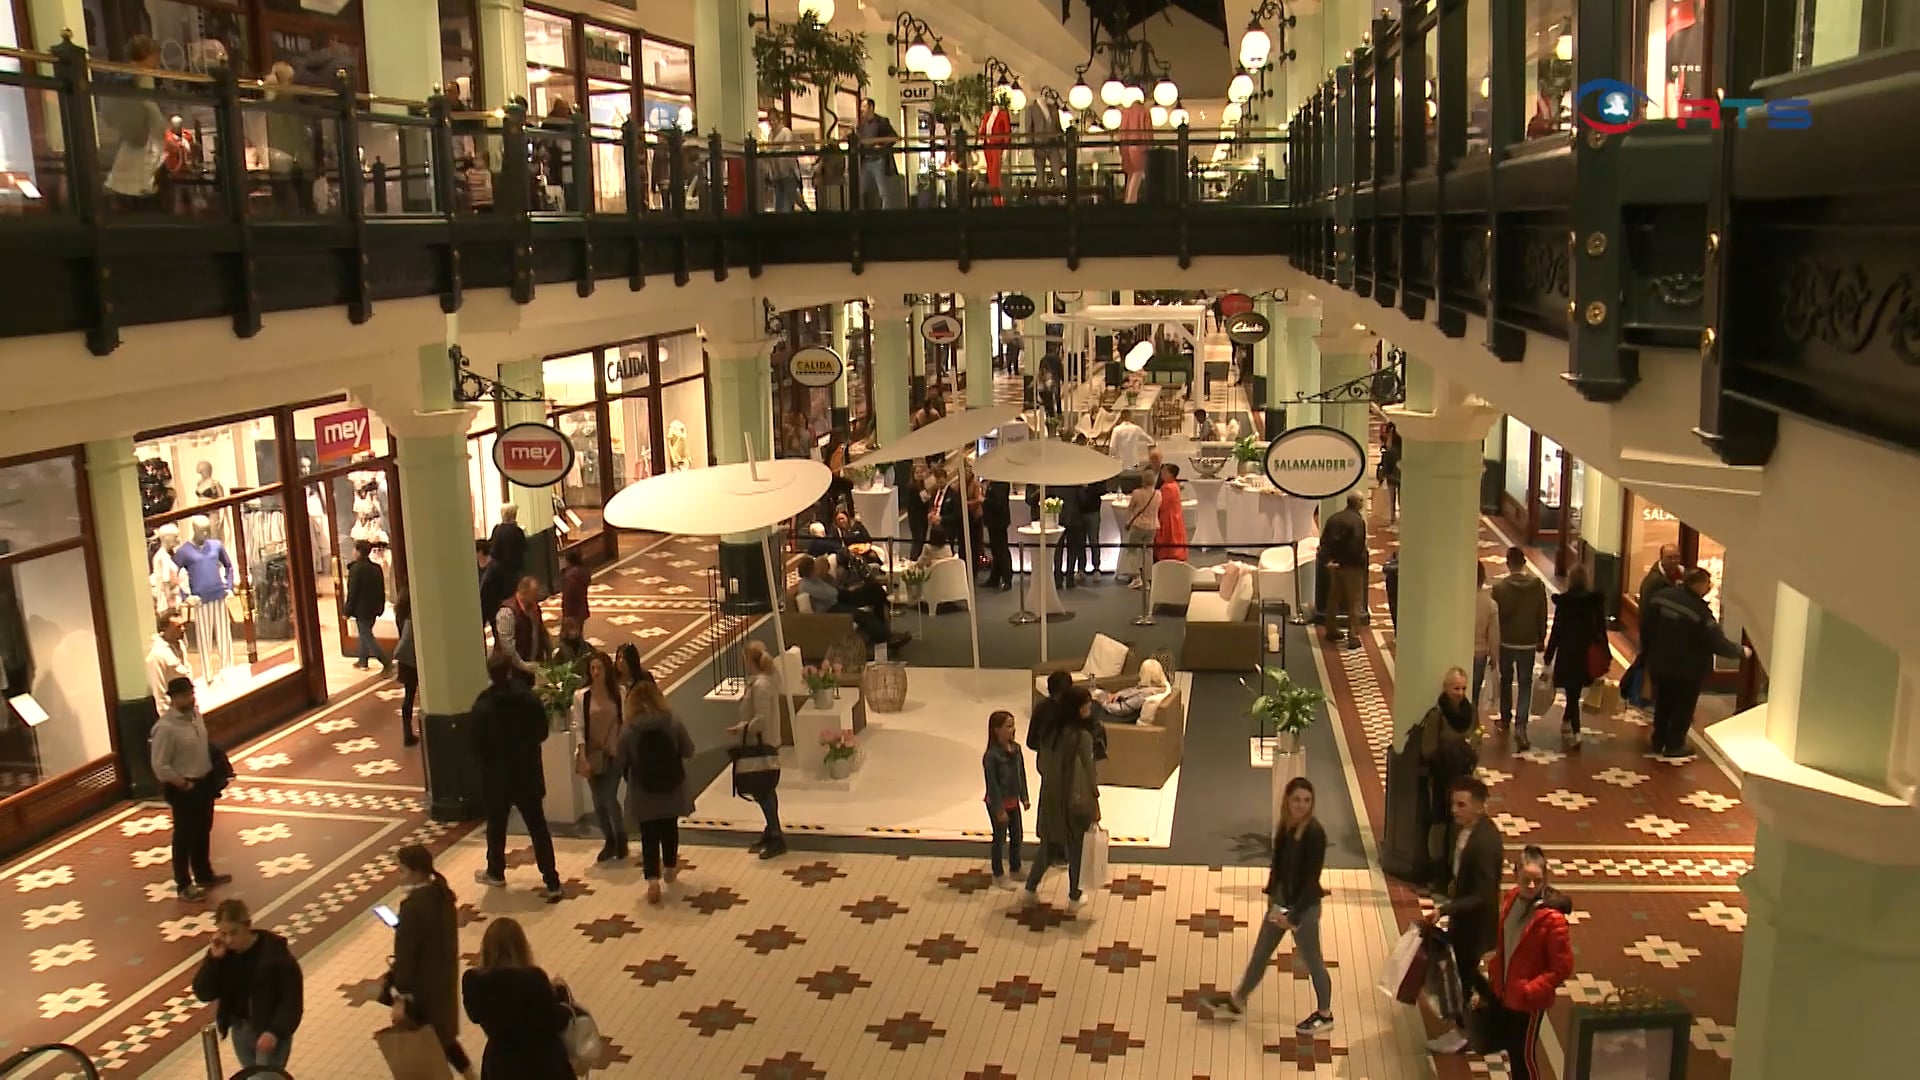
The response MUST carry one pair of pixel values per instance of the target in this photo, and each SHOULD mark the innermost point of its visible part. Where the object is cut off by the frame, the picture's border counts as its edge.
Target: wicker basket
(885, 686)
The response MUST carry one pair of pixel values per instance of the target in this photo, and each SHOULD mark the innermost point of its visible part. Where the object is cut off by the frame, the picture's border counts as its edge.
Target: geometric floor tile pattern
(791, 982)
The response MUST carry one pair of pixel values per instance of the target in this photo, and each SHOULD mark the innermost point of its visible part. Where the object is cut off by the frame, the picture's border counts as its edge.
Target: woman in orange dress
(1170, 542)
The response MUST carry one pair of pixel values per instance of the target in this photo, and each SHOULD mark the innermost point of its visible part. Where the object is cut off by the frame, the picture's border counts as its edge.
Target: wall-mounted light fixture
(917, 50)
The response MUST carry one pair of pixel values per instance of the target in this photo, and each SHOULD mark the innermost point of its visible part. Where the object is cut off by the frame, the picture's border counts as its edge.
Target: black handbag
(756, 767)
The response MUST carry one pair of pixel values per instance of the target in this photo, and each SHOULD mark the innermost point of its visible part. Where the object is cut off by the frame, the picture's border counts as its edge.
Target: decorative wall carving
(1678, 290)
(1543, 266)
(1844, 308)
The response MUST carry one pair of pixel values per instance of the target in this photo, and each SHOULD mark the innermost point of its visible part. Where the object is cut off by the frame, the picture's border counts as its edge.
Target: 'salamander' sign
(815, 366)
(1315, 462)
(533, 455)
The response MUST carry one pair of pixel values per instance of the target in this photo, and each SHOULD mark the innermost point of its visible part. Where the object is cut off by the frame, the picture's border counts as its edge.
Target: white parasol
(943, 435)
(1049, 463)
(725, 499)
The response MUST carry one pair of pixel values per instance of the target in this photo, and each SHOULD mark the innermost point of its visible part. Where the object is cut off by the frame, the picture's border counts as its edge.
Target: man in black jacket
(998, 515)
(1679, 638)
(254, 977)
(1343, 551)
(508, 543)
(366, 602)
(1471, 882)
(509, 724)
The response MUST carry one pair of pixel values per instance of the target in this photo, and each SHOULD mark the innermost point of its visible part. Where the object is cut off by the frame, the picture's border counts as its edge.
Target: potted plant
(914, 577)
(865, 477)
(804, 57)
(1050, 512)
(1290, 711)
(555, 684)
(840, 750)
(822, 681)
(1250, 454)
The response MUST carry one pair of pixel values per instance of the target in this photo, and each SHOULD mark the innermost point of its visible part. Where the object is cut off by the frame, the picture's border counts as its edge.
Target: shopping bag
(1542, 695)
(1602, 697)
(413, 1053)
(1406, 969)
(1093, 857)
(583, 1040)
(1443, 977)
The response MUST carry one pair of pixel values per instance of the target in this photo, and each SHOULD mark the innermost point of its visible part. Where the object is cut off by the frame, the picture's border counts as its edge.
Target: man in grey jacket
(183, 763)
(1522, 601)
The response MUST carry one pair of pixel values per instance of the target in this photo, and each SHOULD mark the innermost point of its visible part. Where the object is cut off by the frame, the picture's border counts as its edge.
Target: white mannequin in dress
(677, 447)
(167, 579)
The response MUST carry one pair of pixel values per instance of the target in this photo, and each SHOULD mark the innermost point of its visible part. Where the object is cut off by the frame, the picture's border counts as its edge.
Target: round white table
(1206, 512)
(1263, 516)
(1041, 600)
(879, 509)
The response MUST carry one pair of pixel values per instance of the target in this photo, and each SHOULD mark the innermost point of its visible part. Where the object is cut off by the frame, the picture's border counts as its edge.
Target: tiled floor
(871, 966)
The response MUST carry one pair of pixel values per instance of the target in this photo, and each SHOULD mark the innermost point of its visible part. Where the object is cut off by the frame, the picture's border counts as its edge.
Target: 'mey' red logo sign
(533, 455)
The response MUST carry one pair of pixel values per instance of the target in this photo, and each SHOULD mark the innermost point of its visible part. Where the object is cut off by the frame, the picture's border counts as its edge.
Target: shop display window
(187, 469)
(684, 409)
(340, 433)
(1649, 528)
(1833, 30)
(630, 424)
(1712, 557)
(315, 55)
(1675, 48)
(1431, 42)
(20, 183)
(1549, 67)
(681, 357)
(191, 37)
(1519, 450)
(666, 66)
(53, 707)
(1552, 497)
(549, 41)
(570, 380)
(1479, 76)
(581, 491)
(37, 505)
(609, 54)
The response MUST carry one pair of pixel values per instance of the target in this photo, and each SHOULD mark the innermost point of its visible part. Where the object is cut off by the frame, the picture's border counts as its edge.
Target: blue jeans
(786, 195)
(606, 809)
(1007, 837)
(1041, 857)
(873, 174)
(245, 1037)
(1306, 949)
(1516, 682)
(369, 648)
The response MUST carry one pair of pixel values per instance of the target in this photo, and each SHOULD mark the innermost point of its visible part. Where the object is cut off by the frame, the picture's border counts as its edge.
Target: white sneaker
(1030, 899)
(1451, 1042)
(1005, 883)
(1075, 903)
(481, 877)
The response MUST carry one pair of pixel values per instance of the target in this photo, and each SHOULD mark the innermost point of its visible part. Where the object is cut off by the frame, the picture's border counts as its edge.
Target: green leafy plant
(1287, 707)
(556, 684)
(839, 743)
(1052, 506)
(862, 475)
(1248, 449)
(964, 101)
(804, 55)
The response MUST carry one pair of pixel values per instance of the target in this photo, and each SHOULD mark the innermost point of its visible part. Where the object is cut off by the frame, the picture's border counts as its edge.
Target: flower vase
(1049, 521)
(840, 768)
(823, 698)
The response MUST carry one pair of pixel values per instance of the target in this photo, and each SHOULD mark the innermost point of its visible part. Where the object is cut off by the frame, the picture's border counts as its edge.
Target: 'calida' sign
(1315, 462)
(815, 366)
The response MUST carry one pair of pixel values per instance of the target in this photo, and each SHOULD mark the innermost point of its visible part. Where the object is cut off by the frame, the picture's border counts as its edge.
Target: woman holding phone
(1293, 903)
(426, 954)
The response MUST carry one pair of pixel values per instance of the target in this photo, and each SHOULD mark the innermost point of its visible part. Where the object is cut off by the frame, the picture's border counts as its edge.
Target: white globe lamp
(1159, 115)
(1255, 47)
(1081, 96)
(1166, 93)
(1139, 356)
(1110, 119)
(821, 10)
(1178, 118)
(918, 54)
(1113, 92)
(939, 68)
(1240, 90)
(1016, 98)
(1230, 115)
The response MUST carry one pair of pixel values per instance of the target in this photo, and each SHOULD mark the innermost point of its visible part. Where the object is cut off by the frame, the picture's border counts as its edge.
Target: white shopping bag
(1405, 971)
(1093, 859)
(1542, 695)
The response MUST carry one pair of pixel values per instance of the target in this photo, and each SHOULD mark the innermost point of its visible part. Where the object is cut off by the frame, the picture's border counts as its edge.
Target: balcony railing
(1750, 201)
(156, 196)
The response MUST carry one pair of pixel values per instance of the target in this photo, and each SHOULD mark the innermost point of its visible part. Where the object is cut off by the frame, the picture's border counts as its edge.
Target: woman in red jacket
(1531, 957)
(1170, 542)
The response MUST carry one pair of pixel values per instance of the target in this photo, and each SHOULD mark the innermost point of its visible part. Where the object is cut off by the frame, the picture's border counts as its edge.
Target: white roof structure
(1186, 322)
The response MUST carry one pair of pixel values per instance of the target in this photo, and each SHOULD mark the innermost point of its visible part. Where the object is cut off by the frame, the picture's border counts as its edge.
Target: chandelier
(1133, 71)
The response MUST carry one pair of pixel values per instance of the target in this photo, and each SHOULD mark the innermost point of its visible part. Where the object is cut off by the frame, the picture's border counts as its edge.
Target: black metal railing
(1513, 163)
(33, 1056)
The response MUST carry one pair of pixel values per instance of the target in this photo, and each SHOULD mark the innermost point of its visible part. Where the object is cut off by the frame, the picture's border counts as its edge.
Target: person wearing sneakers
(1293, 903)
(1006, 776)
(509, 724)
(1532, 956)
(1069, 793)
(1522, 601)
(1472, 896)
(183, 762)
(653, 754)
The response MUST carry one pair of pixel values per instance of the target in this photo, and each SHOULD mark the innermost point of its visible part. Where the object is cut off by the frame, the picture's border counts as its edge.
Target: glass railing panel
(159, 146)
(1548, 72)
(1430, 110)
(292, 155)
(397, 167)
(33, 162)
(477, 156)
(554, 173)
(609, 180)
(1672, 54)
(1480, 75)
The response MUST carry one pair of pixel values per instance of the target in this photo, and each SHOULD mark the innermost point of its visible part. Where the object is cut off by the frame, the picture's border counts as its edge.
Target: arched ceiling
(1127, 14)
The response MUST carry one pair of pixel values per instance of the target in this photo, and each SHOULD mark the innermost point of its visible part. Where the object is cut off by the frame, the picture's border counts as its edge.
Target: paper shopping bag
(1602, 697)
(1406, 969)
(1542, 695)
(1093, 857)
(413, 1053)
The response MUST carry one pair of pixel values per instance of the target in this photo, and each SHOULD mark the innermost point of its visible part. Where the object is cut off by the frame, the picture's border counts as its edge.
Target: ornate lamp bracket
(470, 386)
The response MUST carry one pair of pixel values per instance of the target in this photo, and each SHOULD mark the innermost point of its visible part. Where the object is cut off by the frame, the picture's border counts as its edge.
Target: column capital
(1346, 342)
(429, 425)
(1467, 419)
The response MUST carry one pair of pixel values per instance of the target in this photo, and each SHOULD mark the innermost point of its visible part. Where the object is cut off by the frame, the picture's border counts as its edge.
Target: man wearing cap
(183, 763)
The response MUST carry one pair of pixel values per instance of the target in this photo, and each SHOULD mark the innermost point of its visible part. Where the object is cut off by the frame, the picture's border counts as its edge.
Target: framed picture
(1628, 1041)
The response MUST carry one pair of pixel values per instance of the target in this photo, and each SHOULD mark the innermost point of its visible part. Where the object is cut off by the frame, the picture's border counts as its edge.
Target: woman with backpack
(598, 721)
(653, 753)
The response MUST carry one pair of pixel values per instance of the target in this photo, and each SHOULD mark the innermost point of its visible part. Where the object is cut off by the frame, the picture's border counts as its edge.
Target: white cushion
(1151, 706)
(1105, 658)
(803, 602)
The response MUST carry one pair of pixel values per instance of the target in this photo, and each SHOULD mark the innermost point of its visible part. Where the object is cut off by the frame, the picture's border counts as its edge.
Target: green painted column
(1298, 363)
(977, 348)
(1602, 504)
(403, 49)
(430, 450)
(120, 536)
(891, 349)
(503, 51)
(1345, 355)
(1439, 547)
(1834, 693)
(842, 388)
(725, 98)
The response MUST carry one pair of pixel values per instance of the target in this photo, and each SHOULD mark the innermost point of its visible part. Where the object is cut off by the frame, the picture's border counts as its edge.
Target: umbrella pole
(776, 592)
(1045, 567)
(966, 545)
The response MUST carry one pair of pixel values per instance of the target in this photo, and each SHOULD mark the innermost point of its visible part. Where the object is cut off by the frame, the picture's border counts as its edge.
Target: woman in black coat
(1579, 626)
(523, 1011)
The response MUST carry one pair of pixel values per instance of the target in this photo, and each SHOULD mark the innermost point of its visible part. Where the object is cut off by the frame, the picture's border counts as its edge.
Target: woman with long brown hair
(599, 721)
(522, 1010)
(426, 953)
(653, 754)
(1293, 903)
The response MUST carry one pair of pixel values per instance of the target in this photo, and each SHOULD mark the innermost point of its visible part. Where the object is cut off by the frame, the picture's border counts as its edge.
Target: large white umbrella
(725, 499)
(1049, 463)
(956, 430)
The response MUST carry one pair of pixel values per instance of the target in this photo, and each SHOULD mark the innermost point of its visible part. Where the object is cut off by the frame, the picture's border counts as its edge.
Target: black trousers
(1673, 704)
(659, 845)
(192, 833)
(1002, 556)
(409, 693)
(1468, 948)
(1518, 1033)
(501, 800)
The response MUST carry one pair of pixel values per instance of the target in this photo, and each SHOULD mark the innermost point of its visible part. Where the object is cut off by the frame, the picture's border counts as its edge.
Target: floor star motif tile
(1540, 755)
(900, 1032)
(1492, 777)
(1016, 993)
(160, 890)
(1655, 949)
(613, 927)
(810, 874)
(1618, 777)
(362, 991)
(1709, 1035)
(382, 767)
(1210, 923)
(1584, 988)
(265, 834)
(664, 969)
(284, 865)
(52, 915)
(771, 939)
(790, 1066)
(341, 723)
(59, 956)
(1118, 957)
(1102, 1043)
(200, 922)
(968, 882)
(1198, 1000)
(827, 985)
(153, 856)
(73, 1000)
(1710, 801)
(1513, 824)
(395, 694)
(1133, 887)
(939, 950)
(874, 909)
(1568, 800)
(143, 826)
(1716, 913)
(710, 1020)
(356, 746)
(1655, 825)
(35, 880)
(715, 900)
(263, 762)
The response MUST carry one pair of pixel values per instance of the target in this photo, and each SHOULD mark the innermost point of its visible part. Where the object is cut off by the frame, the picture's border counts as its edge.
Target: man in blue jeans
(366, 602)
(1522, 601)
(877, 167)
(257, 986)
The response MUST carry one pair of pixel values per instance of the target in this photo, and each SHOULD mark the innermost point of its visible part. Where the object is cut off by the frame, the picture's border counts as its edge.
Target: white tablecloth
(1206, 512)
(880, 509)
(1041, 597)
(1266, 517)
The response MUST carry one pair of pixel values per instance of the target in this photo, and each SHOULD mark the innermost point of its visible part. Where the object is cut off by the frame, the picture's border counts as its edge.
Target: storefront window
(1519, 461)
(681, 357)
(549, 41)
(683, 406)
(580, 491)
(609, 54)
(666, 66)
(316, 55)
(1712, 558)
(37, 504)
(1676, 55)
(570, 379)
(1479, 69)
(329, 436)
(190, 37)
(1832, 30)
(1649, 529)
(630, 424)
(1552, 498)
(1549, 67)
(52, 700)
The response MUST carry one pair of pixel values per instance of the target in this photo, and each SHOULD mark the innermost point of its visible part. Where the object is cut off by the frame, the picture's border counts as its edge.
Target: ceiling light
(1432, 109)
(918, 54)
(1159, 115)
(938, 66)
(1563, 48)
(1241, 88)
(1255, 46)
(1110, 118)
(1139, 356)
(821, 10)
(1166, 93)
(1081, 96)
(1486, 86)
(1016, 97)
(1230, 115)
(1067, 119)
(1113, 92)
(1178, 118)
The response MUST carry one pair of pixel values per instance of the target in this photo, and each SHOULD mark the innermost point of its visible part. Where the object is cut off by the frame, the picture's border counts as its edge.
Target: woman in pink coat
(1136, 132)
(1171, 541)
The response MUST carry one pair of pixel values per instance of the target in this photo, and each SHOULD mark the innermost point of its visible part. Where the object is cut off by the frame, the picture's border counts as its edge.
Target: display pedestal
(743, 576)
(848, 712)
(569, 799)
(1206, 512)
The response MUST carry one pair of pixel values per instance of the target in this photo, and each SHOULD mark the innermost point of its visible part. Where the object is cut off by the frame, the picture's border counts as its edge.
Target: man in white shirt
(1129, 442)
(165, 662)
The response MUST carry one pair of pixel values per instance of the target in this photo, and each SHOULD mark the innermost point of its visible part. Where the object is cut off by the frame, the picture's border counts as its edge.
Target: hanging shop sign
(816, 366)
(1248, 328)
(533, 455)
(1315, 462)
(339, 436)
(1234, 303)
(1017, 306)
(941, 330)
(916, 92)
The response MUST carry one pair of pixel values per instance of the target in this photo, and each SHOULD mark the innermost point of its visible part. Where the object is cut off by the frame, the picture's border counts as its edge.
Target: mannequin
(1136, 128)
(995, 133)
(207, 489)
(677, 447)
(168, 580)
(1040, 122)
(210, 577)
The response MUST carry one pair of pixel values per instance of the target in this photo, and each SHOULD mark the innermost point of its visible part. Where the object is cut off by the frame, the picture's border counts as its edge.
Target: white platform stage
(920, 771)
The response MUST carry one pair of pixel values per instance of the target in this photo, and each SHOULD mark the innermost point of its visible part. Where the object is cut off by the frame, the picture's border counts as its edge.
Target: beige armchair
(1144, 755)
(813, 632)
